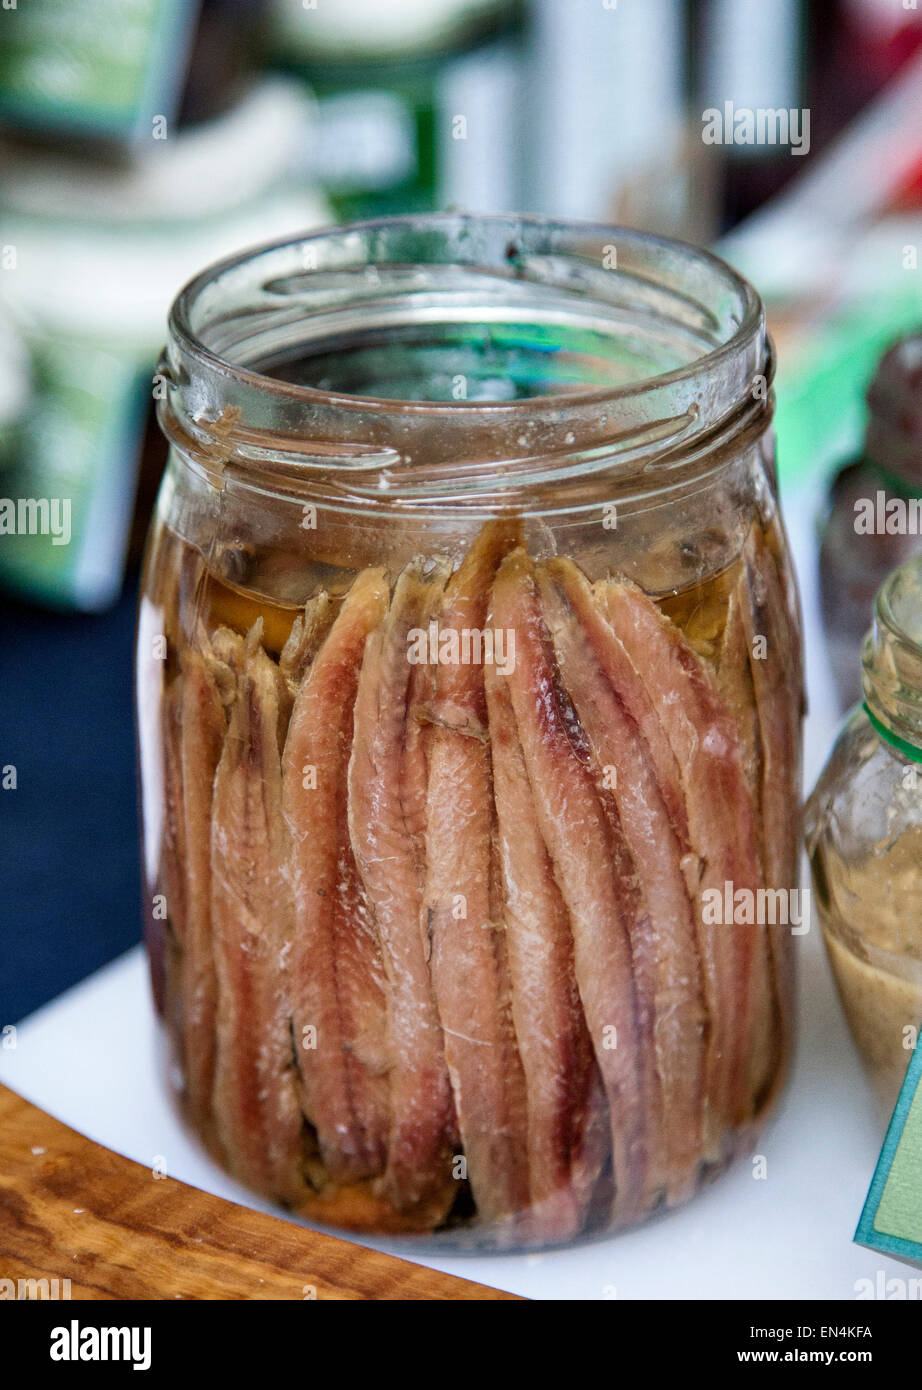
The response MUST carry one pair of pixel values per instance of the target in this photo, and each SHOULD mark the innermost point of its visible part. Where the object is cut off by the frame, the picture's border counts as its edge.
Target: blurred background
(141, 139)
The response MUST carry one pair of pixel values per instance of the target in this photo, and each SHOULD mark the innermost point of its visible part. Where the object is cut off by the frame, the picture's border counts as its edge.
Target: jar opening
(463, 341)
(528, 326)
(471, 355)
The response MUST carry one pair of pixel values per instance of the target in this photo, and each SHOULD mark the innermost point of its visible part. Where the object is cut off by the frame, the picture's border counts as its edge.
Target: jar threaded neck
(892, 659)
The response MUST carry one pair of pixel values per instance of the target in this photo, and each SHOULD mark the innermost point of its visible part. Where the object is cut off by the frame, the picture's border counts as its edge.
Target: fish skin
(463, 912)
(203, 729)
(335, 971)
(666, 962)
(777, 681)
(721, 830)
(577, 673)
(387, 782)
(164, 936)
(591, 868)
(305, 639)
(630, 687)
(223, 654)
(735, 683)
(415, 781)
(258, 1118)
(566, 1152)
(173, 844)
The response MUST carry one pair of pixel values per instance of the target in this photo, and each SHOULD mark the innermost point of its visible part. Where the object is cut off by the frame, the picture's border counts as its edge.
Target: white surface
(92, 1058)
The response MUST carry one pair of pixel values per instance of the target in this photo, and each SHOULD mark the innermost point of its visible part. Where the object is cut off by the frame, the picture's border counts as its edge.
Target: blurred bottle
(108, 70)
(746, 61)
(93, 255)
(874, 517)
(419, 103)
(609, 137)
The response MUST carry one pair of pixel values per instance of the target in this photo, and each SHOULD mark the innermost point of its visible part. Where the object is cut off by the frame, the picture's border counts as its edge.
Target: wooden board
(70, 1209)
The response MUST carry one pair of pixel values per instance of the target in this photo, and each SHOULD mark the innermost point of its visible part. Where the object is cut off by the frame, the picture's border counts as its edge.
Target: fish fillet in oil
(666, 958)
(336, 972)
(256, 1106)
(567, 1132)
(591, 868)
(386, 809)
(204, 726)
(464, 923)
(721, 832)
(778, 685)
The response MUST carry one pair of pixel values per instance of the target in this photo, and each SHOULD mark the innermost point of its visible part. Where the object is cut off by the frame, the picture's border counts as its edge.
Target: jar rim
(655, 288)
(181, 326)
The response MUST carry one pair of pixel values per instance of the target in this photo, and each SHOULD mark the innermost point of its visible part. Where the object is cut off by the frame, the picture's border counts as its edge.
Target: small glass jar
(469, 708)
(873, 517)
(864, 838)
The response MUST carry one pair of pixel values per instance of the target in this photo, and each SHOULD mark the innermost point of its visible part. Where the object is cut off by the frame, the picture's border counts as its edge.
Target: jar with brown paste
(469, 701)
(864, 837)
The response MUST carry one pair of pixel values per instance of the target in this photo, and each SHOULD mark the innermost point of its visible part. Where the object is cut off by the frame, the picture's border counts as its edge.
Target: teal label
(892, 1218)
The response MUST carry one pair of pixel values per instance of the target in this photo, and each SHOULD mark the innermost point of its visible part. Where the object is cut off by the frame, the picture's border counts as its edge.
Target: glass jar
(873, 518)
(470, 698)
(864, 838)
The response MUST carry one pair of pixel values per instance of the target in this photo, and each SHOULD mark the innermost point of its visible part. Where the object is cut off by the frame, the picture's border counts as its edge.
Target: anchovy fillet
(337, 995)
(464, 923)
(777, 681)
(721, 834)
(386, 796)
(203, 729)
(666, 960)
(591, 868)
(567, 1147)
(255, 1101)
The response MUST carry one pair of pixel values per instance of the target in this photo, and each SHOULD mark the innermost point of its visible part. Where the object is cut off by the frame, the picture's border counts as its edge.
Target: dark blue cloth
(70, 896)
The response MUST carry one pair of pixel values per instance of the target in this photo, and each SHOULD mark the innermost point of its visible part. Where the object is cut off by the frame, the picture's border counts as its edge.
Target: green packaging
(101, 67)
